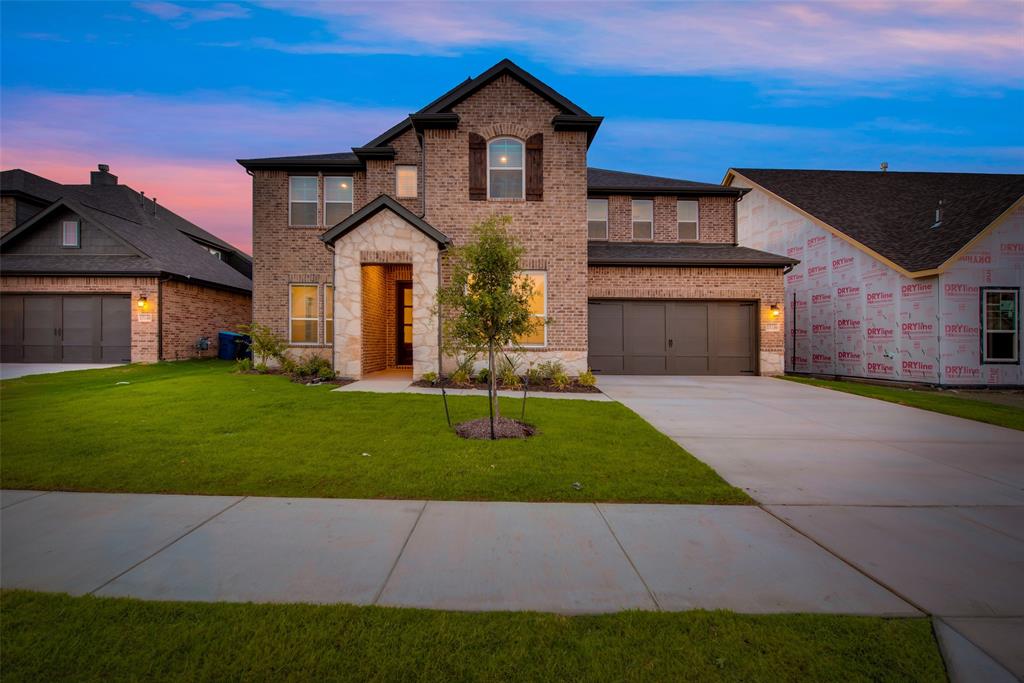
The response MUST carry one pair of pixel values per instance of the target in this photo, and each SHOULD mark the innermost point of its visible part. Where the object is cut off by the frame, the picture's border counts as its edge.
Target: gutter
(687, 264)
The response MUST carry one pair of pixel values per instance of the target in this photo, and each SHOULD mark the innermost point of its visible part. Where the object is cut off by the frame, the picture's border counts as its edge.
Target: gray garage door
(673, 337)
(53, 328)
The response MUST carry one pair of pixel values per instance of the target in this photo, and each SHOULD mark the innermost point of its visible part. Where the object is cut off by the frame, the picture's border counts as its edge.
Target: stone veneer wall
(382, 239)
(764, 285)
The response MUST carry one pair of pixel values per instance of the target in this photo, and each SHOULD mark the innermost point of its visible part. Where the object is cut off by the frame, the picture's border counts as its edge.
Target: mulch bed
(504, 428)
(546, 385)
(309, 381)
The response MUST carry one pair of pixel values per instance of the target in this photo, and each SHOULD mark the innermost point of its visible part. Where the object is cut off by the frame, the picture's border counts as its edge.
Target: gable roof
(603, 181)
(892, 213)
(166, 243)
(372, 209)
(571, 117)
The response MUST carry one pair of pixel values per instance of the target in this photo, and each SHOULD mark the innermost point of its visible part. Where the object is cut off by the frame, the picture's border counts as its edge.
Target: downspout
(423, 166)
(440, 353)
(736, 220)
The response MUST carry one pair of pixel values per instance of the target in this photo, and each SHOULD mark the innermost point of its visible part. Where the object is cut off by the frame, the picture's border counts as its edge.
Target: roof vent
(938, 215)
(884, 166)
(102, 177)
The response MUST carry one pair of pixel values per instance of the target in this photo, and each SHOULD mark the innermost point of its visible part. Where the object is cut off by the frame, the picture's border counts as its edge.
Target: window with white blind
(597, 219)
(405, 181)
(643, 219)
(688, 219)
(302, 200)
(71, 234)
(337, 199)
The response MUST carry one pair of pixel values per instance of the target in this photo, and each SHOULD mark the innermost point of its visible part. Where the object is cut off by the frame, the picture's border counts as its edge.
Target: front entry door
(403, 324)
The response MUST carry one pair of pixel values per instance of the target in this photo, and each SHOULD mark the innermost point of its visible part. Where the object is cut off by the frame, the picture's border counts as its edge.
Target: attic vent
(884, 166)
(938, 215)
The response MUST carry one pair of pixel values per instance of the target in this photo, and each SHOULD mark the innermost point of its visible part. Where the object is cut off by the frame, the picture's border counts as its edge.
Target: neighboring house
(99, 273)
(903, 276)
(639, 274)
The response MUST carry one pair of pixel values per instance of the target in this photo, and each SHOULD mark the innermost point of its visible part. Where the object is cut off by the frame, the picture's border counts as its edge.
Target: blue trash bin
(229, 344)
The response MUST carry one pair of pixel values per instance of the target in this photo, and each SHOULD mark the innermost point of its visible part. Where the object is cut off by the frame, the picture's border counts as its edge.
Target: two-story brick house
(639, 274)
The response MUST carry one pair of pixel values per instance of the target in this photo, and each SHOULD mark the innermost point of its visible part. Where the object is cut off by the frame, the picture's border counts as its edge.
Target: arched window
(505, 176)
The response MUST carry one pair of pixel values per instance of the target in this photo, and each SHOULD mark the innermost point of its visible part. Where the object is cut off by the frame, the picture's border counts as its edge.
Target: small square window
(70, 235)
(688, 218)
(597, 219)
(405, 181)
(643, 219)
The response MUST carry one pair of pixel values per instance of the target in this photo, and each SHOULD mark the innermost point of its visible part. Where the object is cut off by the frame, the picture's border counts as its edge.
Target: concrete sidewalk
(558, 557)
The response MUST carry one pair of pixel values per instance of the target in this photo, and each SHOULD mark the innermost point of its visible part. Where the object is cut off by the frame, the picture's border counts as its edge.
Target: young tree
(486, 304)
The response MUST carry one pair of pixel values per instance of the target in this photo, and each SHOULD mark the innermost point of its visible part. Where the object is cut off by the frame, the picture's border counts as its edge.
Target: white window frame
(696, 203)
(522, 169)
(328, 340)
(633, 221)
(985, 291)
(291, 316)
(604, 201)
(352, 204)
(77, 244)
(314, 202)
(416, 181)
(544, 315)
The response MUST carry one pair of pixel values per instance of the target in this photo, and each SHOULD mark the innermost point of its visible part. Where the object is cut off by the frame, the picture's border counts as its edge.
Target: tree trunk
(492, 386)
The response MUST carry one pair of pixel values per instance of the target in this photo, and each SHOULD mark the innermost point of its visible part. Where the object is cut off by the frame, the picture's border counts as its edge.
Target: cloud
(180, 149)
(817, 42)
(182, 16)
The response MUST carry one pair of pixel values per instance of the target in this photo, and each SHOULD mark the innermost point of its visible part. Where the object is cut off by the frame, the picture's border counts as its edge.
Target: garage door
(52, 328)
(673, 337)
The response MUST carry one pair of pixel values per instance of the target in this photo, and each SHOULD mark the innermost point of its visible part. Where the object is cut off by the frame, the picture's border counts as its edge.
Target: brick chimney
(102, 177)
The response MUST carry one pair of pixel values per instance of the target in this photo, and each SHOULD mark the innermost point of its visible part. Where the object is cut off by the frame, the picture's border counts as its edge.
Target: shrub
(560, 379)
(459, 376)
(534, 375)
(243, 365)
(509, 378)
(265, 344)
(430, 377)
(587, 379)
(326, 374)
(311, 365)
(549, 368)
(483, 376)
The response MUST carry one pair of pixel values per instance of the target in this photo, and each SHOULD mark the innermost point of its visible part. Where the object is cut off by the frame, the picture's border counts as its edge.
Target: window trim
(315, 202)
(78, 234)
(291, 316)
(522, 170)
(328, 340)
(983, 350)
(416, 184)
(544, 315)
(678, 236)
(604, 200)
(325, 202)
(633, 221)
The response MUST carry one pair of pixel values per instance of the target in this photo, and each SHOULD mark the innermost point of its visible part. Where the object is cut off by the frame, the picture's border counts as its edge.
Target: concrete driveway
(15, 370)
(927, 505)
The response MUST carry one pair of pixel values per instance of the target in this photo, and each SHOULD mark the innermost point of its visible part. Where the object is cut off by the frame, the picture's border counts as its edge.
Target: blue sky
(171, 93)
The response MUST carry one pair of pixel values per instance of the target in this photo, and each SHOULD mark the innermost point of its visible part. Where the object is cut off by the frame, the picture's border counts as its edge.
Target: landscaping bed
(1002, 408)
(200, 427)
(540, 387)
(53, 637)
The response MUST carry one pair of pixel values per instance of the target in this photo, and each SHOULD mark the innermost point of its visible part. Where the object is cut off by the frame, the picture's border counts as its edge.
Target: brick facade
(191, 311)
(716, 217)
(145, 327)
(764, 285)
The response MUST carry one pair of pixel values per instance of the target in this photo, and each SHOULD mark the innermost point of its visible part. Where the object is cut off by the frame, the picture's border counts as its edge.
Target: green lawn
(929, 399)
(196, 427)
(52, 637)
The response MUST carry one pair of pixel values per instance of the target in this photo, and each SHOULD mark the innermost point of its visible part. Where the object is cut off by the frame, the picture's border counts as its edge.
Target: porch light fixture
(142, 303)
(775, 310)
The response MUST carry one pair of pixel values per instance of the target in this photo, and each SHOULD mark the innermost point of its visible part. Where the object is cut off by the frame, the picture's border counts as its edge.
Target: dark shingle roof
(604, 181)
(892, 213)
(166, 241)
(343, 159)
(630, 254)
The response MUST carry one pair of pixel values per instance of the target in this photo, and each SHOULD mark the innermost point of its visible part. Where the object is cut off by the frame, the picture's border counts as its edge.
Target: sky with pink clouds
(171, 93)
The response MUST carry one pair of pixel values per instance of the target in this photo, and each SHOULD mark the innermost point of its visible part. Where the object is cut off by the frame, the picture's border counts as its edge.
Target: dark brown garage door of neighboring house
(53, 328)
(673, 337)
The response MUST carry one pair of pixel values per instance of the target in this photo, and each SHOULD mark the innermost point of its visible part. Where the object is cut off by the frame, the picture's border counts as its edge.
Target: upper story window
(302, 200)
(337, 199)
(597, 219)
(687, 217)
(999, 316)
(405, 181)
(643, 219)
(505, 177)
(71, 234)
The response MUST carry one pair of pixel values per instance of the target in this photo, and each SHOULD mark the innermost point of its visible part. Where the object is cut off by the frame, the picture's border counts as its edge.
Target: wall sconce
(142, 303)
(775, 310)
